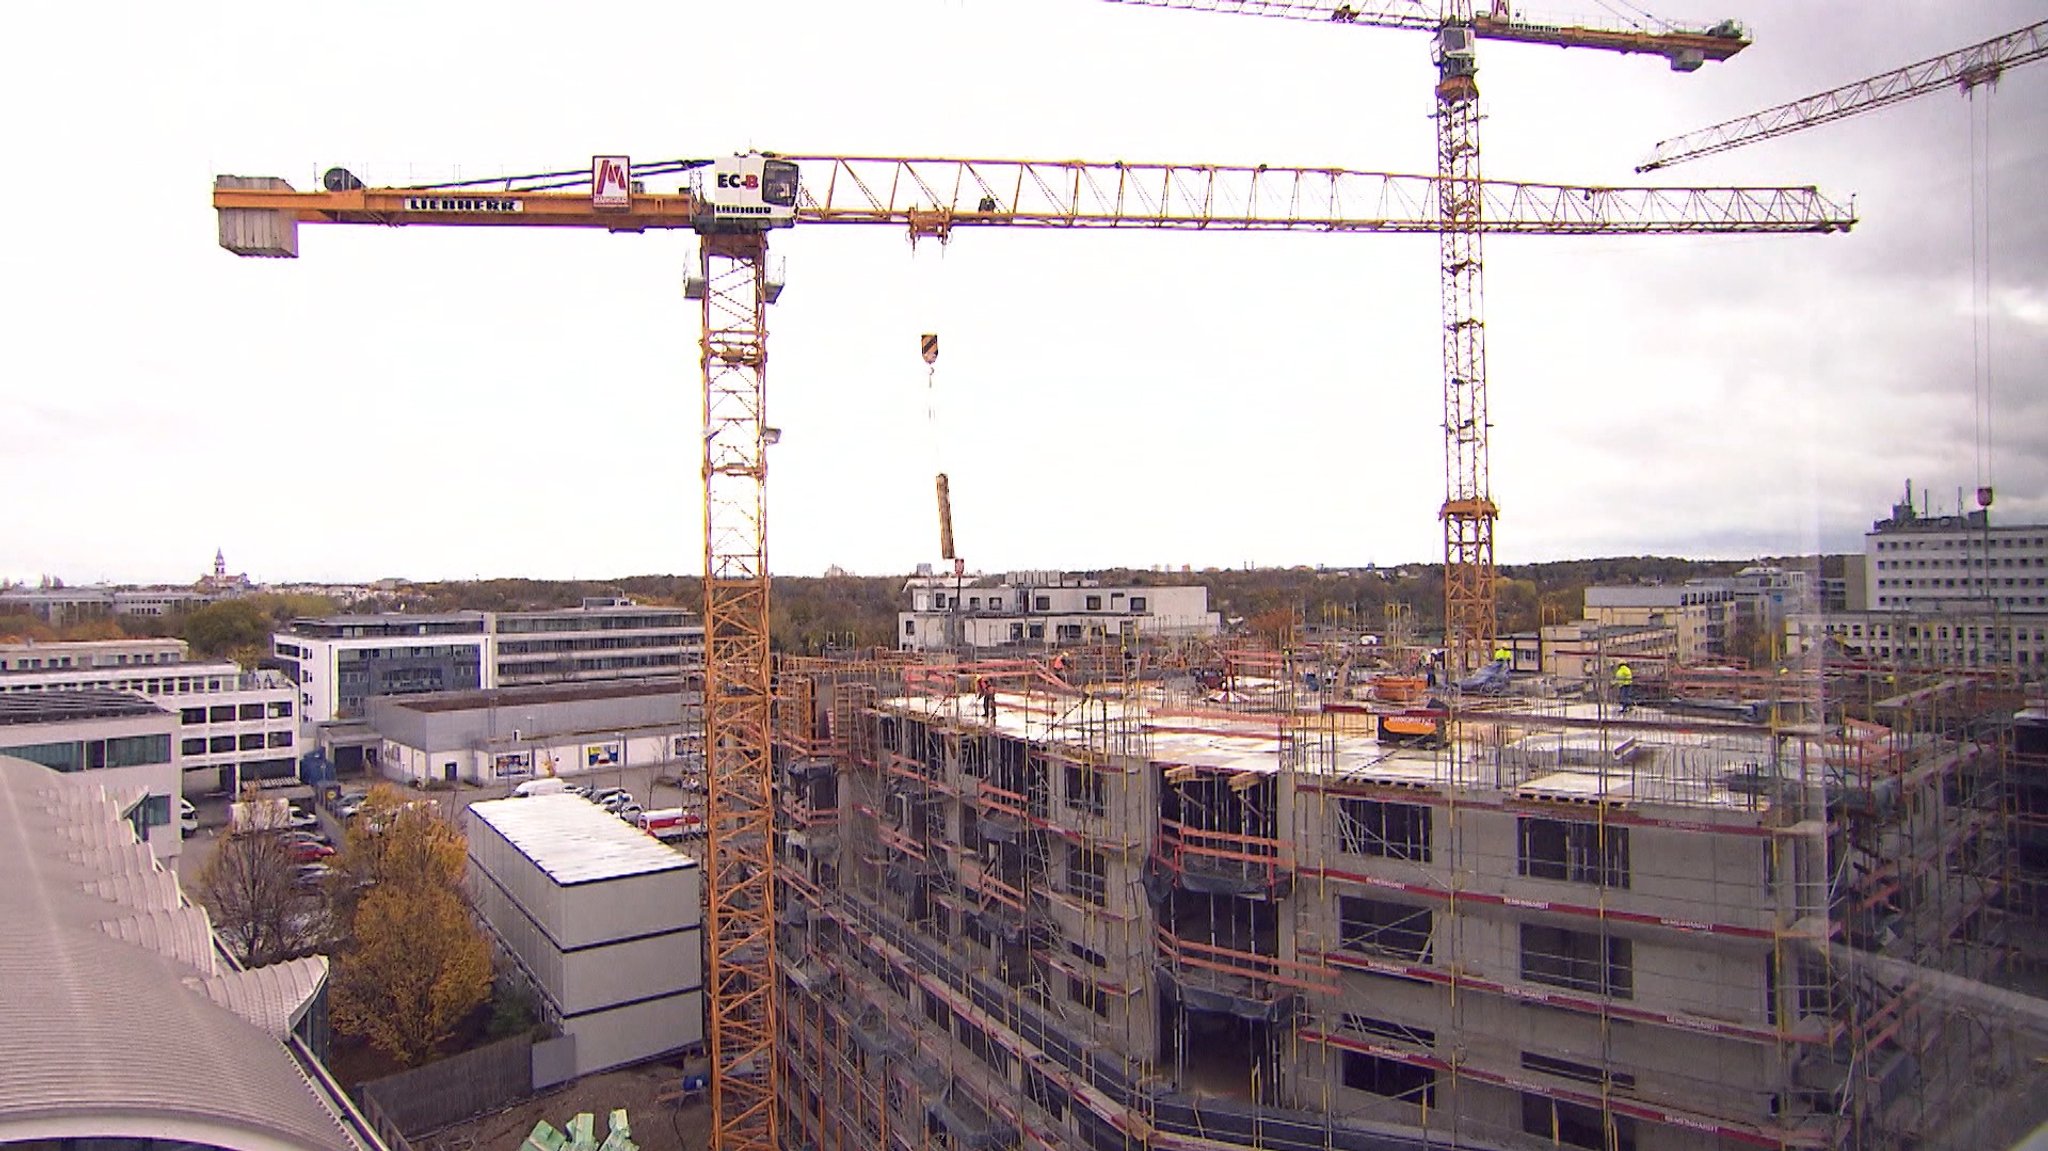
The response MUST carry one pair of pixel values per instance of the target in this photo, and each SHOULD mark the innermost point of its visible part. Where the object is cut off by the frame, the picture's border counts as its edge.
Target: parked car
(298, 818)
(188, 817)
(582, 789)
(304, 852)
(628, 811)
(547, 785)
(609, 797)
(317, 837)
(312, 874)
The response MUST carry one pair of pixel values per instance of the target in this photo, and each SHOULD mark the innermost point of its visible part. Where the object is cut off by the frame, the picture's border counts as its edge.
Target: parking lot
(653, 786)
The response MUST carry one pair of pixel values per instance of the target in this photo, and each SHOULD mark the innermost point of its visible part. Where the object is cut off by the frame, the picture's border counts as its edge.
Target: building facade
(1941, 591)
(1700, 616)
(340, 662)
(510, 734)
(1915, 563)
(235, 727)
(605, 639)
(1040, 610)
(126, 744)
(1262, 931)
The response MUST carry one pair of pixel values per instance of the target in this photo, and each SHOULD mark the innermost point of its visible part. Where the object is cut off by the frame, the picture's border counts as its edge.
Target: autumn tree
(249, 886)
(416, 963)
(218, 628)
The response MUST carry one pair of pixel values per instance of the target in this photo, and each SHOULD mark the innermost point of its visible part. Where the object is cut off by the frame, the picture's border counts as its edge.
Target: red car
(308, 852)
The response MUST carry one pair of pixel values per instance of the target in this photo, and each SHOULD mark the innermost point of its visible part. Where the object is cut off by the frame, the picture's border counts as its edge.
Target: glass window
(192, 747)
(252, 711)
(137, 750)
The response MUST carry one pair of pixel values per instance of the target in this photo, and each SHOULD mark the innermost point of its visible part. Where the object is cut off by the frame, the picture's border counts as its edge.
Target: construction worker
(1625, 685)
(1503, 655)
(1059, 666)
(987, 692)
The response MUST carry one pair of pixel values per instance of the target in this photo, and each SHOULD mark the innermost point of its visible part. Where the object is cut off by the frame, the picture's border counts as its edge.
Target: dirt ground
(657, 1126)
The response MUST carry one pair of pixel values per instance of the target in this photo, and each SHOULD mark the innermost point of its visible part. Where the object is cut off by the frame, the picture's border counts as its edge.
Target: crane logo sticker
(611, 182)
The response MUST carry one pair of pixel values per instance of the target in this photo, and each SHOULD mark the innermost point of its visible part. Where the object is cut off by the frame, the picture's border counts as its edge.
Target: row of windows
(167, 685)
(62, 662)
(1943, 543)
(235, 713)
(595, 643)
(1971, 562)
(1884, 631)
(671, 622)
(94, 754)
(247, 741)
(1570, 850)
(1977, 584)
(2006, 601)
(1040, 603)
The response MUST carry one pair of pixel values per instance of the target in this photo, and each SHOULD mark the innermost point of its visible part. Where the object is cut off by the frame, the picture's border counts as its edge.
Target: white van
(188, 817)
(548, 786)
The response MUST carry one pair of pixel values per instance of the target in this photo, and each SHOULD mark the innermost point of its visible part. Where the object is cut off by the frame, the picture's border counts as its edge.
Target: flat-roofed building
(124, 742)
(340, 662)
(234, 726)
(608, 638)
(604, 920)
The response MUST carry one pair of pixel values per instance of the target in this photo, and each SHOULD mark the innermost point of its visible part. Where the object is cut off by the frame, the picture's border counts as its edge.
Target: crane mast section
(1966, 68)
(1716, 43)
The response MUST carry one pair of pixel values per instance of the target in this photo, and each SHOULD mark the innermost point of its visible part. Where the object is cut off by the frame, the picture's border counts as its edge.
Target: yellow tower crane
(733, 204)
(1468, 510)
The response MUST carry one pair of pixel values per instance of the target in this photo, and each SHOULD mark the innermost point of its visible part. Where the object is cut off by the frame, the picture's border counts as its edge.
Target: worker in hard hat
(987, 692)
(1625, 685)
(1502, 655)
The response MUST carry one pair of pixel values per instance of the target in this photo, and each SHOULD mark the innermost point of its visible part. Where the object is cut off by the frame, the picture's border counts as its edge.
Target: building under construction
(1216, 899)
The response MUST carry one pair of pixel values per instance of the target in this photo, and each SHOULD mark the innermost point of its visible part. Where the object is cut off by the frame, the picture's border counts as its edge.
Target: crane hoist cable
(1981, 299)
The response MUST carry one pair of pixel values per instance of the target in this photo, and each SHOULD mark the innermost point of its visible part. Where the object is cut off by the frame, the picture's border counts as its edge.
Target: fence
(453, 1089)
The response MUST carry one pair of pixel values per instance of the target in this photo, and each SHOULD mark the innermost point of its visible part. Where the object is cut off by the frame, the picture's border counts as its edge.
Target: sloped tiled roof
(119, 1019)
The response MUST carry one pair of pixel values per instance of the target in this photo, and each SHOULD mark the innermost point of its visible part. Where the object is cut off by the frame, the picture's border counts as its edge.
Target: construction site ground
(658, 1124)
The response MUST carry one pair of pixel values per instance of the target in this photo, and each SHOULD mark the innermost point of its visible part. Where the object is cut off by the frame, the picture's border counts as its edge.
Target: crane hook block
(929, 343)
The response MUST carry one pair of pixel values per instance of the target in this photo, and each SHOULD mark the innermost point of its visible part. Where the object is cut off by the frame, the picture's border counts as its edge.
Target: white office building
(607, 638)
(1942, 590)
(124, 742)
(234, 727)
(1045, 609)
(341, 662)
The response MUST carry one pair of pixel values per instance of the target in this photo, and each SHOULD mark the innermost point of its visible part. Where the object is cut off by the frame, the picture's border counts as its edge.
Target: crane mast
(931, 196)
(738, 694)
(1468, 511)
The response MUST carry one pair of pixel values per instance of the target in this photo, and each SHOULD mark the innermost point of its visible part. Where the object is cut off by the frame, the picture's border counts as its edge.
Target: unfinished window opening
(1388, 1029)
(1388, 830)
(1088, 876)
(1379, 927)
(1085, 790)
(1576, 1125)
(1574, 851)
(1390, 1078)
(1220, 1054)
(1085, 993)
(1239, 923)
(1578, 1072)
(1579, 960)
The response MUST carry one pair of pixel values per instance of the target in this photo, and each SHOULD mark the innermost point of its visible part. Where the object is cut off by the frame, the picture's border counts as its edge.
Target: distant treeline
(812, 613)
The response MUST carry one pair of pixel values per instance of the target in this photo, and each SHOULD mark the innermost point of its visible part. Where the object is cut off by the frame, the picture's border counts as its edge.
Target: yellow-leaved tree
(416, 963)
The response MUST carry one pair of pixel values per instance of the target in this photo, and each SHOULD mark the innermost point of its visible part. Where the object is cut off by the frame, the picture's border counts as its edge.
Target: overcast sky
(457, 403)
